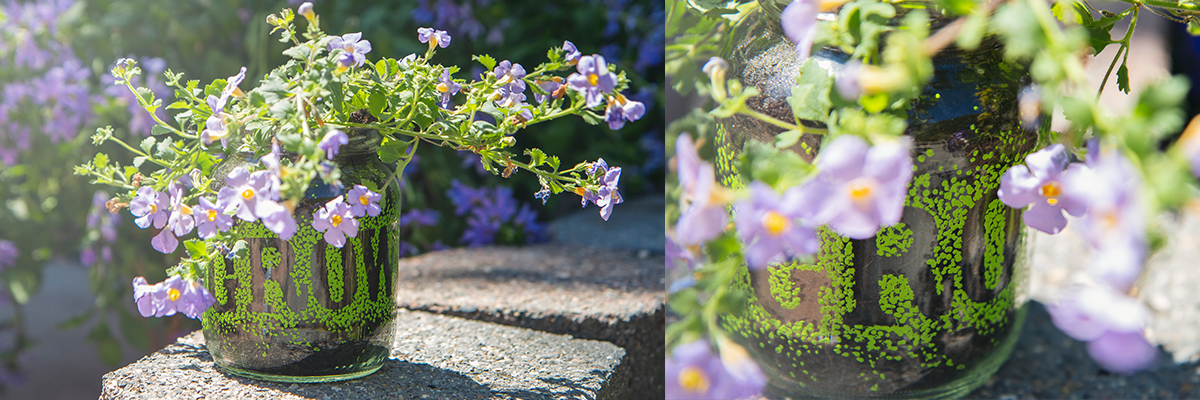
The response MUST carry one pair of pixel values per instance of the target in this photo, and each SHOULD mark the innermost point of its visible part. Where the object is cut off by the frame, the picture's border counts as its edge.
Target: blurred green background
(55, 90)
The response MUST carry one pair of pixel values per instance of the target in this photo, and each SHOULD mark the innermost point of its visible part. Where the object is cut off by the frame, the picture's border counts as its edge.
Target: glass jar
(928, 308)
(303, 310)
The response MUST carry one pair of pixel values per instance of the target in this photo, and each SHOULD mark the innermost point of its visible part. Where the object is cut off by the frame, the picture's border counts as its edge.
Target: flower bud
(716, 68)
(306, 10)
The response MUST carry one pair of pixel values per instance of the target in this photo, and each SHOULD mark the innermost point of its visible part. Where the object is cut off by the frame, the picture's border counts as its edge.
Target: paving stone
(590, 293)
(636, 224)
(434, 357)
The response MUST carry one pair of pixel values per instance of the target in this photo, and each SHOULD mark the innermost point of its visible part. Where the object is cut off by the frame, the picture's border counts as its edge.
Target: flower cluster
(338, 219)
(8, 254)
(1104, 191)
(173, 295)
(494, 216)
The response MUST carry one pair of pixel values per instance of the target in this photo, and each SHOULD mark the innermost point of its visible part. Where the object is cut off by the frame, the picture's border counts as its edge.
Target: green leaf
(76, 320)
(196, 249)
(488, 62)
(381, 68)
(684, 302)
(177, 104)
(1123, 78)
(552, 161)
(536, 157)
(23, 284)
(299, 52)
(787, 139)
(158, 130)
(392, 150)
(376, 102)
(810, 96)
(874, 103)
(100, 161)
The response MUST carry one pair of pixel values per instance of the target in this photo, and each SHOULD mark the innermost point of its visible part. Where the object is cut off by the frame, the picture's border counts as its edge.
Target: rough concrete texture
(435, 357)
(589, 293)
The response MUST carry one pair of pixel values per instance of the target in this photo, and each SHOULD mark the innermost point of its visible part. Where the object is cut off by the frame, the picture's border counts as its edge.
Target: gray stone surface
(591, 293)
(434, 357)
(636, 224)
(1046, 364)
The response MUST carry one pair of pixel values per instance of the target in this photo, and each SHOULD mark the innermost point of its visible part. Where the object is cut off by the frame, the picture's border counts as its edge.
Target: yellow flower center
(593, 79)
(185, 210)
(1109, 219)
(1051, 190)
(248, 194)
(441, 87)
(433, 41)
(336, 220)
(861, 191)
(173, 294)
(774, 223)
(364, 200)
(153, 208)
(212, 215)
(693, 380)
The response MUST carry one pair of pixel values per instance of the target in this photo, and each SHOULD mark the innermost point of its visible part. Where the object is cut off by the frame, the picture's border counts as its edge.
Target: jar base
(296, 378)
(973, 378)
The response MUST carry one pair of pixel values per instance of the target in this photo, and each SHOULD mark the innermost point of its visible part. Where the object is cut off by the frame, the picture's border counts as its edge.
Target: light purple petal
(1045, 218)
(1122, 352)
(843, 158)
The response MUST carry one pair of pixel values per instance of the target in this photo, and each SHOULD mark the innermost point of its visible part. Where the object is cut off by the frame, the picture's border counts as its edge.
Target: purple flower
(364, 202)
(435, 38)
(506, 72)
(8, 254)
(704, 217)
(572, 56)
(847, 81)
(214, 126)
(542, 195)
(620, 110)
(277, 218)
(799, 21)
(168, 297)
(333, 141)
(551, 85)
(481, 230)
(606, 196)
(510, 95)
(354, 48)
(1122, 352)
(863, 187)
(1115, 222)
(1111, 322)
(593, 79)
(337, 221)
(194, 300)
(420, 218)
(694, 372)
(210, 219)
(513, 91)
(246, 191)
(149, 207)
(1041, 185)
(142, 296)
(180, 222)
(464, 197)
(677, 255)
(306, 9)
(770, 225)
(447, 87)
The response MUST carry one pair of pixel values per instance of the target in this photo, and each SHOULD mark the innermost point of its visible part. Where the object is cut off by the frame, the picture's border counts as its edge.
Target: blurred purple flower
(464, 197)
(847, 81)
(210, 219)
(861, 187)
(1122, 352)
(1115, 222)
(8, 254)
(447, 87)
(332, 142)
(1041, 184)
(214, 126)
(149, 207)
(168, 297)
(194, 300)
(427, 217)
(694, 372)
(702, 218)
(355, 49)
(773, 227)
(799, 21)
(433, 37)
(677, 255)
(1111, 322)
(593, 79)
(336, 220)
(363, 202)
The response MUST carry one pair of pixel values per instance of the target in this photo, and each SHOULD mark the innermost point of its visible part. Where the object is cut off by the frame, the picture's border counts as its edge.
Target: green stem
(1124, 49)
(1172, 5)
(774, 121)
